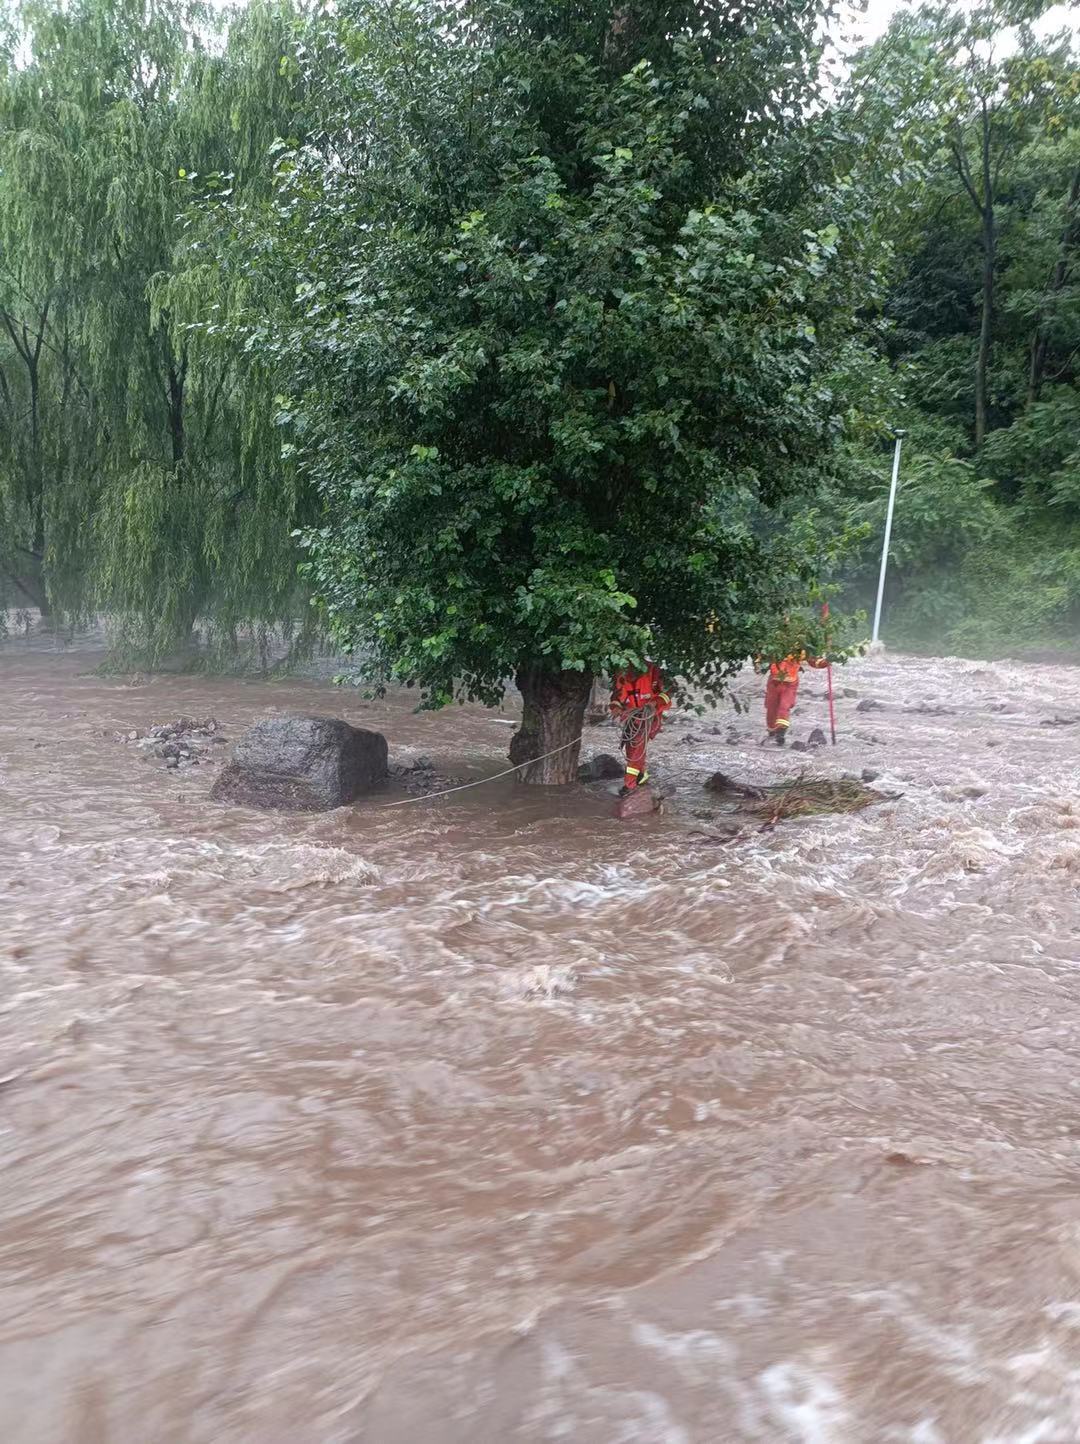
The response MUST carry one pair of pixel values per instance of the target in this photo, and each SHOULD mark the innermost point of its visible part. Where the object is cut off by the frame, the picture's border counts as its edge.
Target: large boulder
(302, 764)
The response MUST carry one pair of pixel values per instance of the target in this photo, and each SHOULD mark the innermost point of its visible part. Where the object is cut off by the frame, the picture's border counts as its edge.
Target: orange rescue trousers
(780, 695)
(635, 747)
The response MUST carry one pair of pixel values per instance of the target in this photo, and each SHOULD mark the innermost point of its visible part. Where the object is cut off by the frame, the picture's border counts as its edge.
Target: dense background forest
(181, 192)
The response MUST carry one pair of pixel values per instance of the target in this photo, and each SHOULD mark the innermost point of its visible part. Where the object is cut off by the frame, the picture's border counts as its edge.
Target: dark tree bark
(28, 340)
(989, 250)
(553, 715)
(986, 323)
(1040, 341)
(177, 376)
(29, 585)
(982, 196)
(599, 696)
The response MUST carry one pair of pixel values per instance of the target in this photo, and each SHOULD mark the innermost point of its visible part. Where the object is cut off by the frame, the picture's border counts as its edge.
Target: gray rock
(870, 775)
(869, 705)
(817, 738)
(302, 764)
(600, 768)
(721, 782)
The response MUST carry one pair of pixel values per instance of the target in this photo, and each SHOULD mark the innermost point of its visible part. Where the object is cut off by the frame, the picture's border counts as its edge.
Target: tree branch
(964, 172)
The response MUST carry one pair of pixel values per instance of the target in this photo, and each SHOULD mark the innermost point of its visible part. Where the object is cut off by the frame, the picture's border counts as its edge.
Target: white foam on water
(804, 1403)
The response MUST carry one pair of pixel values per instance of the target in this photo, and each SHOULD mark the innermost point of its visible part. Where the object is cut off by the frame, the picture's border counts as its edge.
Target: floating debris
(802, 797)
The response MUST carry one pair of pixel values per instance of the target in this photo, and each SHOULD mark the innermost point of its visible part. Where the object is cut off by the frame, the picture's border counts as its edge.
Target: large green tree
(572, 298)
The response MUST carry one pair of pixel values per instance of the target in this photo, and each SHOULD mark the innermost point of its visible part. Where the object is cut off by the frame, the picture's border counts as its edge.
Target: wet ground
(493, 1119)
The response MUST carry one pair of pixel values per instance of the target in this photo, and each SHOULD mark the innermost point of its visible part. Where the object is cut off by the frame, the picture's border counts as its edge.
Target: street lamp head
(899, 432)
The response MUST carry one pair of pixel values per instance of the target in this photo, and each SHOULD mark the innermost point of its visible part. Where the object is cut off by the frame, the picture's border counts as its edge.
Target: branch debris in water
(802, 797)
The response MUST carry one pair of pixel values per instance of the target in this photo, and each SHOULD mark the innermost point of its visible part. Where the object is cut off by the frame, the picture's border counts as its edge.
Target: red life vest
(788, 670)
(641, 689)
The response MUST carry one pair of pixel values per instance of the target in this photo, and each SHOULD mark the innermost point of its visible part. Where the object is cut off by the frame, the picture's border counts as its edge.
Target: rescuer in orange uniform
(639, 701)
(781, 691)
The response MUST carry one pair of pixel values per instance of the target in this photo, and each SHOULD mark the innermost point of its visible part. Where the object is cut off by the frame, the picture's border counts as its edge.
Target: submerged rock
(601, 768)
(721, 782)
(183, 742)
(302, 764)
(421, 778)
(640, 802)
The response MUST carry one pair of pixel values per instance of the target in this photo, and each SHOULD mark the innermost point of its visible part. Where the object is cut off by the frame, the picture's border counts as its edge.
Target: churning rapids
(493, 1119)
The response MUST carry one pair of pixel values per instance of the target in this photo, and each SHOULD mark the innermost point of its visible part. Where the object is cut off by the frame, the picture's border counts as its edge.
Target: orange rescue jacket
(640, 689)
(788, 670)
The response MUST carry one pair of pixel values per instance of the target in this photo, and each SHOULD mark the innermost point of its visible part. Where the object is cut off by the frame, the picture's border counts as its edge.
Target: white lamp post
(888, 537)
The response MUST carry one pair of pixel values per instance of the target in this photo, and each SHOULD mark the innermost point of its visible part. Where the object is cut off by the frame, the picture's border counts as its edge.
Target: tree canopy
(541, 338)
(573, 305)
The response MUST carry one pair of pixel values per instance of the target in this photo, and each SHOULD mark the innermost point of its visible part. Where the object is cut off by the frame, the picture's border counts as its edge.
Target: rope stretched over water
(637, 723)
(431, 796)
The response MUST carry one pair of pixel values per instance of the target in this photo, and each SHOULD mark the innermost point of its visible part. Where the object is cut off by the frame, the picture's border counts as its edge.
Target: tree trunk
(552, 717)
(1040, 345)
(31, 588)
(989, 246)
(177, 376)
(599, 697)
(982, 358)
(1040, 342)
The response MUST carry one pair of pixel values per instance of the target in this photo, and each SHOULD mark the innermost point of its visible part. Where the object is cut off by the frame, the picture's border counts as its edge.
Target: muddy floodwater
(494, 1119)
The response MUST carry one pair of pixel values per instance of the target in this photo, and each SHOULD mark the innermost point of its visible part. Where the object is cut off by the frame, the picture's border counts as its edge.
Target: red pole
(828, 674)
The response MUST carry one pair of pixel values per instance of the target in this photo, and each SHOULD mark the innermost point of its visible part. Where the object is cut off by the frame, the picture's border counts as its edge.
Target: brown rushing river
(493, 1119)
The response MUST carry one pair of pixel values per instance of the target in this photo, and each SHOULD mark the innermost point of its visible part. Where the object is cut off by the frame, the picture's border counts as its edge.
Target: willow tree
(571, 294)
(139, 466)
